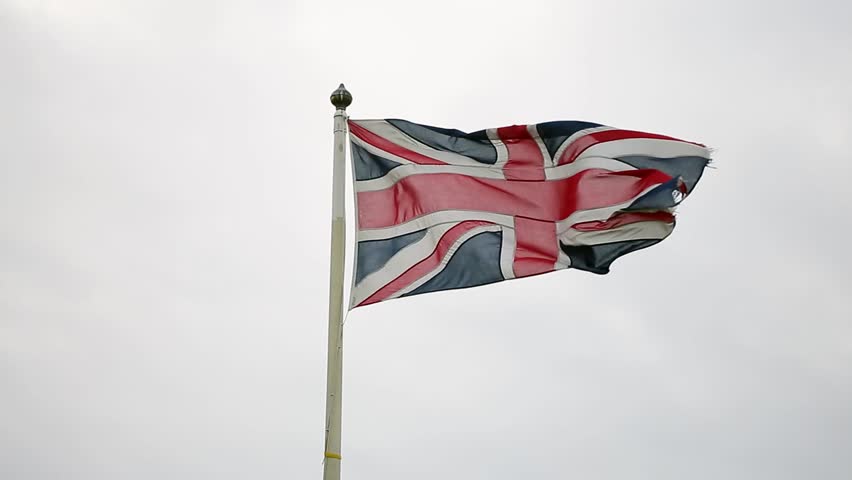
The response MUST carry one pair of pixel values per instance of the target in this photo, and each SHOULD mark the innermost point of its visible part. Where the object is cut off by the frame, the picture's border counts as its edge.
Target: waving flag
(439, 209)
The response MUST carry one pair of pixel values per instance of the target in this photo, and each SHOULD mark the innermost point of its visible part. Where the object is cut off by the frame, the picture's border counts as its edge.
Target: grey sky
(165, 172)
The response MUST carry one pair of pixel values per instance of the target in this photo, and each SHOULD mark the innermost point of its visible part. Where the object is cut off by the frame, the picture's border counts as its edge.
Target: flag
(441, 209)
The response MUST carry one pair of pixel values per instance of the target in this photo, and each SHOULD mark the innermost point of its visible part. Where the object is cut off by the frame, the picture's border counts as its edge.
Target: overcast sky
(165, 175)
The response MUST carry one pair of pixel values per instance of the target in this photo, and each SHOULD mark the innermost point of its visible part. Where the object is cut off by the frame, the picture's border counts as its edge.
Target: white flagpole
(340, 98)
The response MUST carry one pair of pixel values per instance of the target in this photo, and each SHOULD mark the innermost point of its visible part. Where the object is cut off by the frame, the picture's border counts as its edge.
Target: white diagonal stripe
(377, 151)
(394, 135)
(444, 261)
(582, 133)
(400, 263)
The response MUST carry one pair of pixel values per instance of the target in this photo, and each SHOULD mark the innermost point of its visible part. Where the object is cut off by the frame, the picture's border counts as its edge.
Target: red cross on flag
(440, 209)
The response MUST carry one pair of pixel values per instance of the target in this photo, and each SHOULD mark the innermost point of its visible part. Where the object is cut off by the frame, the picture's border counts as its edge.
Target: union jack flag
(440, 209)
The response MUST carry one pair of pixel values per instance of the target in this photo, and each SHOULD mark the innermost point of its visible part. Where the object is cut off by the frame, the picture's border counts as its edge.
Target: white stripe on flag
(651, 147)
(568, 141)
(394, 135)
(570, 169)
(648, 230)
(596, 214)
(545, 155)
(400, 263)
(449, 255)
(502, 151)
(507, 252)
(431, 220)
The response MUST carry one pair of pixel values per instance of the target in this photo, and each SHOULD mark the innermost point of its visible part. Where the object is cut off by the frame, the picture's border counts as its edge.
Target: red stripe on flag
(426, 265)
(580, 145)
(390, 147)
(536, 247)
(621, 219)
(524, 155)
(552, 200)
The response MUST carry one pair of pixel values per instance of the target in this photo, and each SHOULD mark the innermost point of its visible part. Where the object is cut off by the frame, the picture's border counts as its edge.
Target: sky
(165, 199)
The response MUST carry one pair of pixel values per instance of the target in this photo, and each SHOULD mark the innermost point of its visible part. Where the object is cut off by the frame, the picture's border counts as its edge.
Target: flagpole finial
(341, 98)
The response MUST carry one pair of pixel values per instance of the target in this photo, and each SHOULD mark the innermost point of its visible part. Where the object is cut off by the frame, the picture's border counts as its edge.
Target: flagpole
(340, 98)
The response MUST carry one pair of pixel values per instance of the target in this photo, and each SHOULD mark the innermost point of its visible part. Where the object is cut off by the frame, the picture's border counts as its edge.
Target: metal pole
(340, 98)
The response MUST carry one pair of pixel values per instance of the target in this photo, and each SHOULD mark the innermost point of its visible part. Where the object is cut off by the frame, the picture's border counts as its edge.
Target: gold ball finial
(341, 98)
